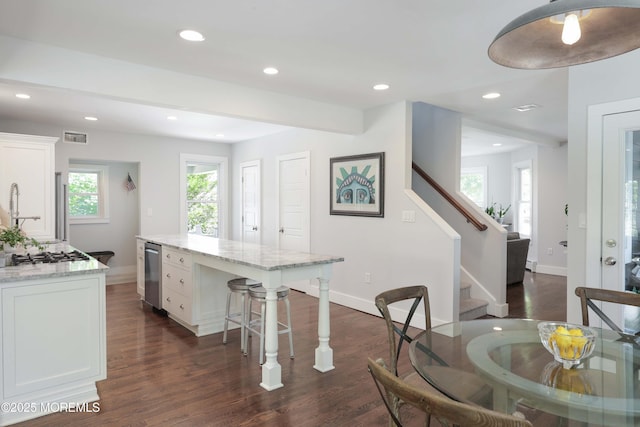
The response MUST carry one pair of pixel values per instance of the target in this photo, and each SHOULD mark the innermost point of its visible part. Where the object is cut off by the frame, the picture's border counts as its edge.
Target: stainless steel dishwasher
(152, 275)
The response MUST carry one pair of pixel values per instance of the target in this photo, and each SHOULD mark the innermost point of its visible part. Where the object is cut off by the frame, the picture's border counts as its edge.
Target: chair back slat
(398, 335)
(588, 295)
(440, 407)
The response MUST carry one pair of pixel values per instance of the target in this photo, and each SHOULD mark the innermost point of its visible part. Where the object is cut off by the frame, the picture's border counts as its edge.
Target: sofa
(517, 251)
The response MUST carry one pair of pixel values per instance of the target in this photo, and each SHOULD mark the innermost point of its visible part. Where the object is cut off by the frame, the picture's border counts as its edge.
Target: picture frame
(357, 185)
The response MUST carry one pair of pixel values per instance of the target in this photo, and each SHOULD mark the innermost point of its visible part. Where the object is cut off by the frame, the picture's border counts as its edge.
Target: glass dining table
(508, 356)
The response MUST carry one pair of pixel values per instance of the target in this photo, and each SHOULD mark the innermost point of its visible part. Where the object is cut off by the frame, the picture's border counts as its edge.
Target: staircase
(470, 308)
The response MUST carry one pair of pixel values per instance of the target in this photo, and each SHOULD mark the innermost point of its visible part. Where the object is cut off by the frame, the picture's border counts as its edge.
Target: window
(88, 194)
(202, 194)
(202, 199)
(524, 200)
(473, 184)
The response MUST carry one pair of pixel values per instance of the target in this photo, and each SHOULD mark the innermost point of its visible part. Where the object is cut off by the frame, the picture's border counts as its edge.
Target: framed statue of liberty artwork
(357, 185)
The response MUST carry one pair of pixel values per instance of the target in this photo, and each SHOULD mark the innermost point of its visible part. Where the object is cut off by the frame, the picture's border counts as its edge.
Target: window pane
(202, 199)
(525, 184)
(472, 186)
(83, 205)
(83, 194)
(524, 219)
(83, 182)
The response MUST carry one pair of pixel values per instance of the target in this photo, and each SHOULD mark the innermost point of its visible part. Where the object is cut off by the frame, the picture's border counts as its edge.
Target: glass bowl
(569, 344)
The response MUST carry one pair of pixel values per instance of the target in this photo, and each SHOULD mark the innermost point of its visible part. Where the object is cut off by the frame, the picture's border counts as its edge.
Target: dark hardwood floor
(159, 374)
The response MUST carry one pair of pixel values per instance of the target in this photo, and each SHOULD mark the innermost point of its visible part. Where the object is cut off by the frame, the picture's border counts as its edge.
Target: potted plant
(491, 210)
(13, 237)
(502, 212)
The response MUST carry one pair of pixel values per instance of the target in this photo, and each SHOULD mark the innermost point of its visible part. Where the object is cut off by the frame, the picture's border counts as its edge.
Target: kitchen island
(195, 271)
(53, 344)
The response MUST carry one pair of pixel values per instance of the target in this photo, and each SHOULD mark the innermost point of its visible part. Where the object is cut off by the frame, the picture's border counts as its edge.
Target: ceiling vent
(527, 107)
(75, 137)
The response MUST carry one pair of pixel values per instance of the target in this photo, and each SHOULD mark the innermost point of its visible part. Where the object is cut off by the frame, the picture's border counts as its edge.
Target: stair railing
(453, 202)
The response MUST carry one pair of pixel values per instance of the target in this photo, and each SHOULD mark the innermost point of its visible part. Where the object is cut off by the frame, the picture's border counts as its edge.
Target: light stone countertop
(49, 270)
(258, 256)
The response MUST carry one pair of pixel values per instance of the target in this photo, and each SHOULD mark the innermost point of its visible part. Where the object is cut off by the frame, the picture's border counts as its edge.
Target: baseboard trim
(551, 269)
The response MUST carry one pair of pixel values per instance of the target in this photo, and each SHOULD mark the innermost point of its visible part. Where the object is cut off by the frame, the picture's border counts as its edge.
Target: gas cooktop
(48, 257)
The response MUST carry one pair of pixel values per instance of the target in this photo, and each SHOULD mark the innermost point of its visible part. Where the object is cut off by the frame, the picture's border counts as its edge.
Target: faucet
(13, 214)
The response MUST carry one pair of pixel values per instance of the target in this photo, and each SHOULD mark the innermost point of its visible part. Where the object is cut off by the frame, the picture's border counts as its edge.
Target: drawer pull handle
(182, 306)
(168, 275)
(168, 256)
(168, 299)
(181, 260)
(182, 281)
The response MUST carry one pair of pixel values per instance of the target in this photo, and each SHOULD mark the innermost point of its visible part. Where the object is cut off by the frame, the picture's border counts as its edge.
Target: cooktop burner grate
(48, 257)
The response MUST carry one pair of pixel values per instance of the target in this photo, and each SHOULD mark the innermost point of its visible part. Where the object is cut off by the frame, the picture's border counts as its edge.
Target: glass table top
(507, 355)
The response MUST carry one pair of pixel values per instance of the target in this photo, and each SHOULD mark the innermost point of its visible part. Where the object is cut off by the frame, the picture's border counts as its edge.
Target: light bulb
(571, 31)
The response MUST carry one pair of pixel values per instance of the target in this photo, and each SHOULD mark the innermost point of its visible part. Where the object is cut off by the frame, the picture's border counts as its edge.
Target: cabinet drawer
(175, 257)
(176, 304)
(177, 279)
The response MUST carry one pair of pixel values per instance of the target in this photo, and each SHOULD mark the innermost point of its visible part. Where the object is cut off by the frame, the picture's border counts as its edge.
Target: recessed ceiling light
(91, 118)
(526, 107)
(497, 144)
(23, 96)
(381, 86)
(491, 95)
(220, 135)
(270, 71)
(172, 118)
(191, 35)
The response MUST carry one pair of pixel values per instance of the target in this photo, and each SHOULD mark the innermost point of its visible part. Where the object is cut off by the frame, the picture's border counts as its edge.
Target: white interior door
(620, 242)
(251, 200)
(294, 206)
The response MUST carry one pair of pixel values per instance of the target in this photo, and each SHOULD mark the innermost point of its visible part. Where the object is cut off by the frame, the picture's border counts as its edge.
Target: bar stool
(240, 286)
(259, 293)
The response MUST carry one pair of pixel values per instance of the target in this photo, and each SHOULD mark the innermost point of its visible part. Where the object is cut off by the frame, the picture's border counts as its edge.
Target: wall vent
(74, 137)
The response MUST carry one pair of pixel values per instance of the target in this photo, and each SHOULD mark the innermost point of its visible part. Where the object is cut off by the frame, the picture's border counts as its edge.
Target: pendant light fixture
(568, 32)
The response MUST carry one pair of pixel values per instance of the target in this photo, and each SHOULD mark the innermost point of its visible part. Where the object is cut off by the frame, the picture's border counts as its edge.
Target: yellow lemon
(576, 332)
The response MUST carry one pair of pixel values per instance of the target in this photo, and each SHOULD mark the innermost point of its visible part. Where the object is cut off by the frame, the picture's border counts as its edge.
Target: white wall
(552, 197)
(599, 82)
(395, 253)
(158, 183)
(436, 149)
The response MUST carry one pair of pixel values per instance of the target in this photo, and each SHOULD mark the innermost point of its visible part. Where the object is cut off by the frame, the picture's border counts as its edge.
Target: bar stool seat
(259, 293)
(240, 286)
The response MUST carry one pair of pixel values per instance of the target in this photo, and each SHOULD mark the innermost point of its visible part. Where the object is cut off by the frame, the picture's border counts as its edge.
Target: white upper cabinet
(29, 161)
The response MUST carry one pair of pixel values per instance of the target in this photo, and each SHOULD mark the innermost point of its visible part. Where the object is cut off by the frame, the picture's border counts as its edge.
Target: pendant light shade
(591, 30)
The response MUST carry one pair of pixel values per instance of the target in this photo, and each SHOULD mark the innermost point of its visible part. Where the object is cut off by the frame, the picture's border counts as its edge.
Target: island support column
(324, 353)
(271, 369)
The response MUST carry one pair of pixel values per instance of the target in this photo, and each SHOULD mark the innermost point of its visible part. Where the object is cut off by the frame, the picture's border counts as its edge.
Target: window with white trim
(524, 200)
(203, 194)
(88, 194)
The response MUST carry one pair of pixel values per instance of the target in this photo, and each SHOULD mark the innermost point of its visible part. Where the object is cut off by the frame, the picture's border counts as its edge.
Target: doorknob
(254, 228)
(610, 261)
(281, 229)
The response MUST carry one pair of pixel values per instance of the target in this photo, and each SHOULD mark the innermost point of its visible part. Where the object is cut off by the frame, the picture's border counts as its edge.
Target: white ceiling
(330, 51)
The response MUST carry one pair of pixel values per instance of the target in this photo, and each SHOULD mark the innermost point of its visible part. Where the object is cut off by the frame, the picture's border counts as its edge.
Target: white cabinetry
(140, 266)
(29, 161)
(53, 343)
(193, 295)
(177, 297)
